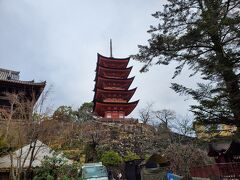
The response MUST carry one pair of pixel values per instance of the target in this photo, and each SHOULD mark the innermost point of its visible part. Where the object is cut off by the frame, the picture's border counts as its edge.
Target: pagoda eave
(101, 107)
(123, 83)
(111, 62)
(100, 94)
(113, 69)
(110, 72)
(113, 58)
(113, 90)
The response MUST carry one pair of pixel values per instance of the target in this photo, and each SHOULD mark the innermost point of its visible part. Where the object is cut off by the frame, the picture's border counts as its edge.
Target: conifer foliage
(203, 35)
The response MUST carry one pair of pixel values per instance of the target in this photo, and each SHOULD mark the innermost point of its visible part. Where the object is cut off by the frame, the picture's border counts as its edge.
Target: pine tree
(205, 36)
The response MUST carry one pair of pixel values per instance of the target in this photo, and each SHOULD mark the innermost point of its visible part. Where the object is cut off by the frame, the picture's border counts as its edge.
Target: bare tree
(183, 157)
(184, 125)
(165, 116)
(16, 109)
(146, 113)
(22, 127)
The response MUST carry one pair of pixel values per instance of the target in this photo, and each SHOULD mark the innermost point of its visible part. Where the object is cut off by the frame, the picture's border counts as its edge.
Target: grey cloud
(58, 41)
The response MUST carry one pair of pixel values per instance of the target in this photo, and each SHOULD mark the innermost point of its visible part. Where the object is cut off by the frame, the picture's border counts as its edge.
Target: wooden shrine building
(112, 93)
(226, 151)
(10, 83)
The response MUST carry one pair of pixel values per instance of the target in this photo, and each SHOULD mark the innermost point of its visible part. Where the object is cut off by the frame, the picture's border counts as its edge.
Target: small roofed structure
(112, 94)
(155, 167)
(10, 83)
(39, 150)
(156, 160)
(33, 153)
(225, 151)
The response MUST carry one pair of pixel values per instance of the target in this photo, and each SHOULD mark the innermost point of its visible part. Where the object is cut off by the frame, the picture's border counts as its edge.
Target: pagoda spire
(111, 48)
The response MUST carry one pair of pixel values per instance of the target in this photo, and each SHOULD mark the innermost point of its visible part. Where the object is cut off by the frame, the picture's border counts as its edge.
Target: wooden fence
(221, 170)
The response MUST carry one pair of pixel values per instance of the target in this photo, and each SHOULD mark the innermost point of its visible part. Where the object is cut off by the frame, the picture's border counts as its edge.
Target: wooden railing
(221, 170)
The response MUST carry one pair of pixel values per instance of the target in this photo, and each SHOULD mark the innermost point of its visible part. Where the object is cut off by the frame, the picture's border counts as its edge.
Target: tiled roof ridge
(8, 70)
(32, 82)
(12, 76)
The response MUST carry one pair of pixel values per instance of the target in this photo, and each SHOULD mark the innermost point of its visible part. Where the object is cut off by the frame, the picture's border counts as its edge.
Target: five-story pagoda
(112, 94)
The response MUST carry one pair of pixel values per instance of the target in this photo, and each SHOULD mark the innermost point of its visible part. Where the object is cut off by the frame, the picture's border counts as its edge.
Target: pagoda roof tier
(101, 107)
(113, 73)
(113, 83)
(111, 62)
(102, 94)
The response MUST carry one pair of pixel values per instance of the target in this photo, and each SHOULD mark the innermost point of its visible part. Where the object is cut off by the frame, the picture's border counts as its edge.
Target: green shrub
(72, 154)
(131, 156)
(111, 158)
(56, 168)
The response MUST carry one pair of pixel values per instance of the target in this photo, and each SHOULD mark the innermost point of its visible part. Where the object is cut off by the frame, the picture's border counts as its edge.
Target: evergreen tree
(65, 113)
(205, 36)
(85, 113)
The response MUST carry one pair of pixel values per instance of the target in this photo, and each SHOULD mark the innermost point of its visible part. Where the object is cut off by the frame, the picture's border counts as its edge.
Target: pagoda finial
(111, 48)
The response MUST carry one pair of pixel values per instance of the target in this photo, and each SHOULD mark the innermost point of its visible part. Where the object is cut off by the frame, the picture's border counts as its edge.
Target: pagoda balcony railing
(114, 88)
(114, 100)
(114, 77)
(218, 170)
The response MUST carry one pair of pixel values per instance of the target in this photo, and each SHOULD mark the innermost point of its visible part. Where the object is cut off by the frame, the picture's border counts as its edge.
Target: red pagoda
(112, 93)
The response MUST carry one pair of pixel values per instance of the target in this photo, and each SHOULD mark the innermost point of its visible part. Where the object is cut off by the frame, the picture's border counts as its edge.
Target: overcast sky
(58, 41)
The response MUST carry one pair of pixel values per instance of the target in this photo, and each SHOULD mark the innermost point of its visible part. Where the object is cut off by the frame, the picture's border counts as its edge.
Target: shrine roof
(9, 76)
(226, 146)
(32, 83)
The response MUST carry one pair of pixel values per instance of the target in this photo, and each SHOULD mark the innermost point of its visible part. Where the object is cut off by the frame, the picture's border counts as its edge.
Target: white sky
(58, 41)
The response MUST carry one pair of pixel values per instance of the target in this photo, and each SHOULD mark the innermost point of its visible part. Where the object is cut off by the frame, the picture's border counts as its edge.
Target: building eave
(127, 92)
(112, 58)
(128, 105)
